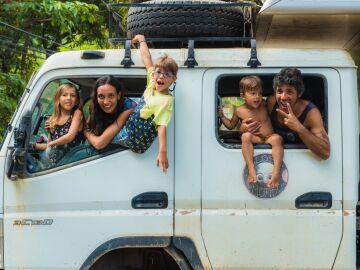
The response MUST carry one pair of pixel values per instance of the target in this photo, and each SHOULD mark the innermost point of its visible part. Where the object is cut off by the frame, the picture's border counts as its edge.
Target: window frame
(112, 149)
(305, 75)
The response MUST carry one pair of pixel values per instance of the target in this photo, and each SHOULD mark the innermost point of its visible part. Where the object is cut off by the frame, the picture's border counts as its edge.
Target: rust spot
(185, 212)
(346, 213)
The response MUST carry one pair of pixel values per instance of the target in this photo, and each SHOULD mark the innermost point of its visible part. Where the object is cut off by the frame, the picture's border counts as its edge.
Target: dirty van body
(113, 209)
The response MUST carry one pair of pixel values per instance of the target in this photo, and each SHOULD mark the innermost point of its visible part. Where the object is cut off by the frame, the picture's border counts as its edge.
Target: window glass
(56, 157)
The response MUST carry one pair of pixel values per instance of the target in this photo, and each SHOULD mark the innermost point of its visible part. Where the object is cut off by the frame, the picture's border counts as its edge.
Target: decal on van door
(264, 166)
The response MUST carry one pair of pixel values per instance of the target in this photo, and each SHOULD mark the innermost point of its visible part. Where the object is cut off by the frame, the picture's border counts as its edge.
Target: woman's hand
(249, 125)
(162, 161)
(86, 133)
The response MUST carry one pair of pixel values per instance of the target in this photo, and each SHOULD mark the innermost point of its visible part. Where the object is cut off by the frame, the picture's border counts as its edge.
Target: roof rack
(190, 61)
(118, 32)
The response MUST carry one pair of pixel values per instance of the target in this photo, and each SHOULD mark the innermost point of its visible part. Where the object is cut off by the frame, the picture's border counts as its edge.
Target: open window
(228, 96)
(37, 160)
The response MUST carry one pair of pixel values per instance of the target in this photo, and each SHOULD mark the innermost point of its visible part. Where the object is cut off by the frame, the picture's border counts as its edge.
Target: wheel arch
(181, 249)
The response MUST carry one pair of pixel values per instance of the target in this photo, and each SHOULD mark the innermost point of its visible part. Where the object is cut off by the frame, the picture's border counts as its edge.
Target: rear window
(228, 96)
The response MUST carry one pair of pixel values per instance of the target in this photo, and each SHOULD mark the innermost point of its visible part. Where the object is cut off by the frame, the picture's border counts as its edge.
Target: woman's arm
(144, 50)
(162, 159)
(74, 129)
(101, 141)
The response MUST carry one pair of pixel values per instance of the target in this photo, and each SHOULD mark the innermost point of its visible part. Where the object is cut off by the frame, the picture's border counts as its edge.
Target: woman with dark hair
(108, 106)
(150, 117)
(297, 120)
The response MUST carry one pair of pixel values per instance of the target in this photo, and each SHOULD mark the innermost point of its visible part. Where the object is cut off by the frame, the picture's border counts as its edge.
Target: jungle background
(30, 31)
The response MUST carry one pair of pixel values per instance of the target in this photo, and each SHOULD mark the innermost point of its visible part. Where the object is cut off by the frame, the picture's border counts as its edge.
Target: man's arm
(315, 136)
(312, 133)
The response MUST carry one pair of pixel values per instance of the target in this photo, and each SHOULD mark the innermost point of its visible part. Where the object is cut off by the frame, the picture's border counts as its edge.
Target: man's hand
(249, 125)
(162, 161)
(290, 120)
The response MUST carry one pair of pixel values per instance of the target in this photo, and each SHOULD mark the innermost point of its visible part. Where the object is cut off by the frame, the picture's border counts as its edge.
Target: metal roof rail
(190, 61)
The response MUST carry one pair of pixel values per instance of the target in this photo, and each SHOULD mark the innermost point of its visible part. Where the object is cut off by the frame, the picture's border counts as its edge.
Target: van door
(74, 209)
(243, 229)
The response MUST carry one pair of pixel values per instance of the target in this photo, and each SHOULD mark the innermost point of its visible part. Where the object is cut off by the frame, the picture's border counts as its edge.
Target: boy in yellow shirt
(152, 114)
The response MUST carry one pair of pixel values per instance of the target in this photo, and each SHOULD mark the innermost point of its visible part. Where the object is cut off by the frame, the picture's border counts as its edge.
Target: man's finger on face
(289, 109)
(281, 112)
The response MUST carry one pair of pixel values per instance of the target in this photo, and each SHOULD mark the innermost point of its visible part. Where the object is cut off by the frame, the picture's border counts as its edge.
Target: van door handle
(314, 200)
(150, 200)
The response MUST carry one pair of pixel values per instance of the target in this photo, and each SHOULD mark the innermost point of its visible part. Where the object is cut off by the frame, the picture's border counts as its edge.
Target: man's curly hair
(290, 76)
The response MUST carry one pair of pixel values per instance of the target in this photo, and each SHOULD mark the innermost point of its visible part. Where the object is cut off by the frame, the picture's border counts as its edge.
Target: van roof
(208, 58)
(309, 24)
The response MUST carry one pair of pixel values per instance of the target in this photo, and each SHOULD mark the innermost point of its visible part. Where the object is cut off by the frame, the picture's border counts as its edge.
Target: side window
(228, 97)
(41, 158)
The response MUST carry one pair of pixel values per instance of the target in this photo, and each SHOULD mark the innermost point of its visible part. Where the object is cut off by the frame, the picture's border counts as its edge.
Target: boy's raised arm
(144, 50)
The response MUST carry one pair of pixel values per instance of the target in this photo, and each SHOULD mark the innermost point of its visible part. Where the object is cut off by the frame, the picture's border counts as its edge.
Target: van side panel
(346, 257)
(63, 216)
(239, 228)
(188, 104)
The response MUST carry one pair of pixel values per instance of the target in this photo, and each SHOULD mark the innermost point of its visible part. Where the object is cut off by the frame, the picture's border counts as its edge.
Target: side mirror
(17, 161)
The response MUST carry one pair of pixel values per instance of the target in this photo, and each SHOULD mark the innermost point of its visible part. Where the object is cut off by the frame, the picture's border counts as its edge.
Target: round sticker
(264, 166)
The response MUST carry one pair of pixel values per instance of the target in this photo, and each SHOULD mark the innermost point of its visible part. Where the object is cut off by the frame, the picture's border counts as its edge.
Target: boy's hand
(220, 111)
(138, 39)
(162, 161)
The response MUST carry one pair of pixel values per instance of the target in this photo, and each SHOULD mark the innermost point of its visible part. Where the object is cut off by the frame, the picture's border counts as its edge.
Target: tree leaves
(31, 30)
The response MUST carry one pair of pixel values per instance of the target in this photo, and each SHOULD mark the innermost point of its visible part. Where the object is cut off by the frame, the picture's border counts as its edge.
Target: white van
(114, 209)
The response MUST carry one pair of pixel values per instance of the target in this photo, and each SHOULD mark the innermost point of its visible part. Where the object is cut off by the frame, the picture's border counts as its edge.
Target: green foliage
(55, 25)
(11, 88)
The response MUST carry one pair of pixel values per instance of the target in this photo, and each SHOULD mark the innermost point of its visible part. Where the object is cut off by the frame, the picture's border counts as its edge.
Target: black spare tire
(185, 21)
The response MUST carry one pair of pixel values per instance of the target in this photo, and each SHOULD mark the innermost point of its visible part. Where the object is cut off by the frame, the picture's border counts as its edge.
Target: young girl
(65, 125)
(153, 113)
